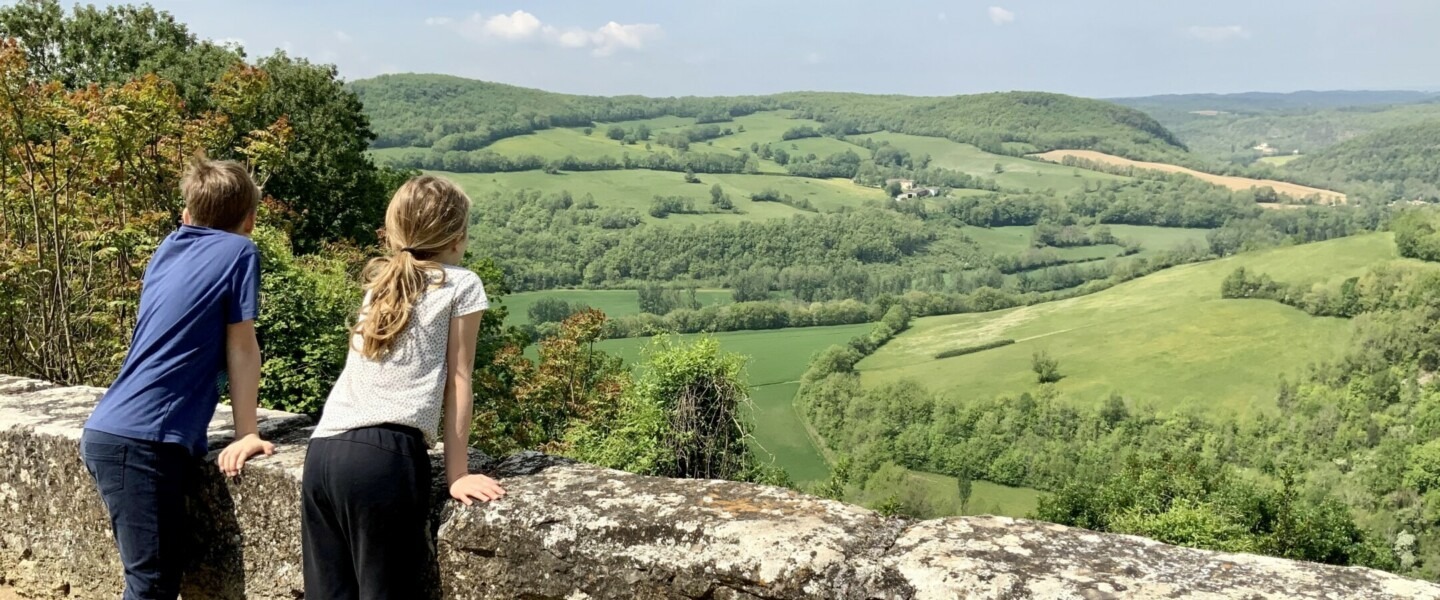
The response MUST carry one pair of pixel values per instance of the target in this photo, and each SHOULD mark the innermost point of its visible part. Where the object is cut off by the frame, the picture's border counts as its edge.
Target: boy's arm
(242, 362)
(459, 411)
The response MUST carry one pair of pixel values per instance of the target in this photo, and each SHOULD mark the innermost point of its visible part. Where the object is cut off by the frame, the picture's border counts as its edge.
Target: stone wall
(573, 531)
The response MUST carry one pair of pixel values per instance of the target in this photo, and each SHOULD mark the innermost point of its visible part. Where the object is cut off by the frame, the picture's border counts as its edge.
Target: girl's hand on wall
(469, 488)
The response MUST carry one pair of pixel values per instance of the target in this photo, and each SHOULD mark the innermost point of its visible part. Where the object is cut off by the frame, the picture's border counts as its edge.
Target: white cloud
(518, 25)
(522, 26)
(614, 36)
(1219, 33)
(342, 37)
(1000, 16)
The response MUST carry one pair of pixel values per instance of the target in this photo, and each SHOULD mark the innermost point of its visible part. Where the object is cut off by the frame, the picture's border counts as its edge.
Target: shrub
(962, 351)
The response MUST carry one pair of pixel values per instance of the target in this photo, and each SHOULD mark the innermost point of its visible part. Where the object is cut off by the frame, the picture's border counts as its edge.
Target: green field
(940, 492)
(553, 144)
(614, 303)
(1019, 173)
(761, 128)
(1167, 340)
(1279, 161)
(777, 358)
(636, 187)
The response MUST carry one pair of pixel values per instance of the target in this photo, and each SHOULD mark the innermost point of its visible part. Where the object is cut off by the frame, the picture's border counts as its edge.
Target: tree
(114, 44)
(328, 181)
(690, 176)
(684, 417)
(719, 199)
(999, 168)
(327, 184)
(1047, 370)
(965, 485)
(91, 188)
(893, 189)
(615, 132)
(533, 404)
(552, 310)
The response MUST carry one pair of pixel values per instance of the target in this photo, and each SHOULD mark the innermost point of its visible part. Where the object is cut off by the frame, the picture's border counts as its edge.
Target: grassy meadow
(776, 359)
(1166, 340)
(1019, 173)
(635, 188)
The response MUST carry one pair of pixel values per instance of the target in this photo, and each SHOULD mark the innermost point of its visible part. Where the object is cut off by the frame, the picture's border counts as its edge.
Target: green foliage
(1417, 234)
(681, 418)
(1422, 470)
(426, 110)
(963, 350)
(329, 186)
(553, 310)
(1398, 164)
(328, 182)
(658, 300)
(114, 44)
(304, 321)
(1047, 369)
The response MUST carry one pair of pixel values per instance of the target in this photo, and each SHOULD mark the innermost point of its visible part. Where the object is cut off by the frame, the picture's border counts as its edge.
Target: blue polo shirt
(199, 281)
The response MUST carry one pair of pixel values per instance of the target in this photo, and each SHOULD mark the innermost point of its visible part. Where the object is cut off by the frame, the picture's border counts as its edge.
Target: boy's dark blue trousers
(143, 486)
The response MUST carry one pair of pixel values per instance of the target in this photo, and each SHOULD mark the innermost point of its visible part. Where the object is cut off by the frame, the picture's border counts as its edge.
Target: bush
(684, 417)
(1047, 370)
(962, 351)
(303, 325)
(1416, 235)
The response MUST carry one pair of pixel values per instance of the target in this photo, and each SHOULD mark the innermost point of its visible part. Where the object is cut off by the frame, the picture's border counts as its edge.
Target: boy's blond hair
(219, 194)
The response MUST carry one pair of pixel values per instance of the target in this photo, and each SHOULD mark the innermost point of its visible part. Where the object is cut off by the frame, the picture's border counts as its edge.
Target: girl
(366, 485)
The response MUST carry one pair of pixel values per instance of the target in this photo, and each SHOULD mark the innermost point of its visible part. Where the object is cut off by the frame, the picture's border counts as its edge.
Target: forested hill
(451, 113)
(1402, 163)
(1272, 102)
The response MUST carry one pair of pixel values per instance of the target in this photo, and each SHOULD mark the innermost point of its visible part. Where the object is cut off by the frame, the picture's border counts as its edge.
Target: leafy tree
(682, 418)
(92, 187)
(552, 310)
(114, 44)
(327, 180)
(1047, 369)
(964, 486)
(999, 168)
(533, 404)
(690, 176)
(1416, 234)
(615, 132)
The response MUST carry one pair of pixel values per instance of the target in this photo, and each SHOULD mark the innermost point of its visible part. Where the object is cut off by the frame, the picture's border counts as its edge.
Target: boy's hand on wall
(232, 458)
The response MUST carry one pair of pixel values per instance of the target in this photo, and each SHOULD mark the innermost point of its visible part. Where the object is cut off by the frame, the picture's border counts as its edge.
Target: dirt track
(1293, 190)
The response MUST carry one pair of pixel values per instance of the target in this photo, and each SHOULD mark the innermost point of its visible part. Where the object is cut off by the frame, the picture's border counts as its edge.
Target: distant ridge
(453, 113)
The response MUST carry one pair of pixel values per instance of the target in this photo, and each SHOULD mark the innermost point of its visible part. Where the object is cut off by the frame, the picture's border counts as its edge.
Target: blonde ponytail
(425, 217)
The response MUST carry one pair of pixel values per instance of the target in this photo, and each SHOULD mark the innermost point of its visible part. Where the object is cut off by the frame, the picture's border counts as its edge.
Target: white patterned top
(407, 386)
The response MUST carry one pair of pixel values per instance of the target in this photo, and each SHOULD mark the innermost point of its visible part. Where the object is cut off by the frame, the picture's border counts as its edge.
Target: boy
(201, 288)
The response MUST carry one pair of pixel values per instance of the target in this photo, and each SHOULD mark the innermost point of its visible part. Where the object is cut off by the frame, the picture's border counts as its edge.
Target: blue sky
(1098, 48)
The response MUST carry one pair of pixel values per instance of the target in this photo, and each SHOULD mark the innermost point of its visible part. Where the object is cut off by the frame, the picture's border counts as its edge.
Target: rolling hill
(1167, 340)
(450, 113)
(1226, 126)
(1293, 190)
(1403, 162)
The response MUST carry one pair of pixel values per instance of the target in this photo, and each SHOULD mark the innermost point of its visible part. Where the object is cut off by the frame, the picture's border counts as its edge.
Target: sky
(1095, 48)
